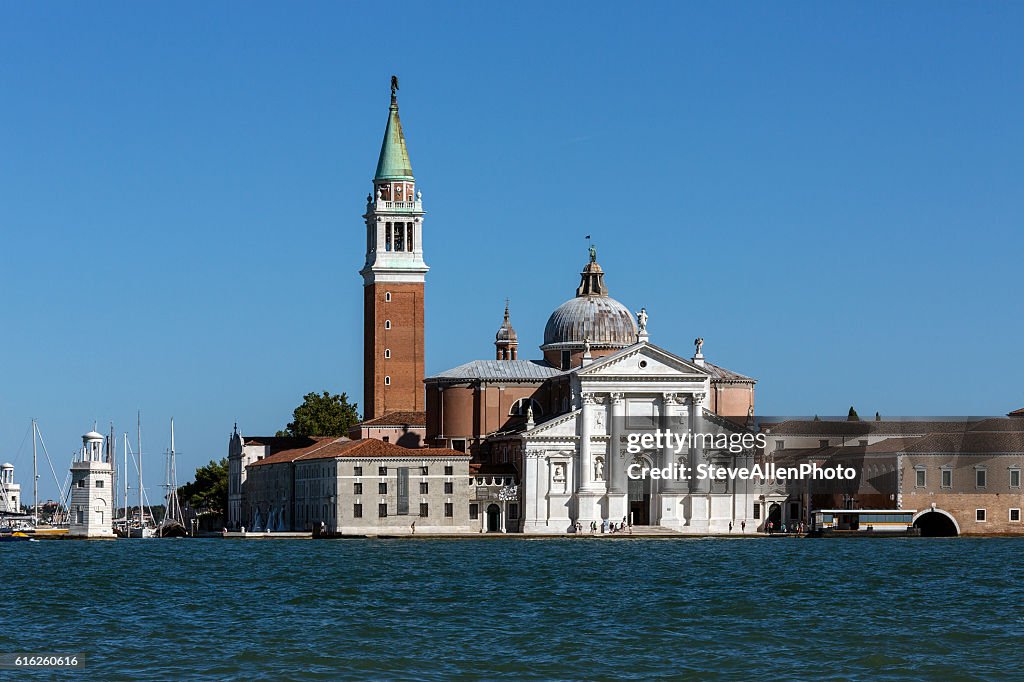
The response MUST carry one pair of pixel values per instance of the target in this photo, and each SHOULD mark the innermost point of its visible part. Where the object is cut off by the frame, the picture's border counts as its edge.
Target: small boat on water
(17, 536)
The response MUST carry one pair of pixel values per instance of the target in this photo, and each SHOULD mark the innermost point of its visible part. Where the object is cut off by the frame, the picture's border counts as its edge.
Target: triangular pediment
(564, 425)
(643, 359)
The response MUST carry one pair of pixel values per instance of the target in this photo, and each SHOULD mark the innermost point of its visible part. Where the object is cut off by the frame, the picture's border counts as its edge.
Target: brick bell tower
(393, 278)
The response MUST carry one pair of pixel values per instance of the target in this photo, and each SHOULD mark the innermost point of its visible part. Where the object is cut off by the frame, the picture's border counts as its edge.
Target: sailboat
(144, 527)
(173, 524)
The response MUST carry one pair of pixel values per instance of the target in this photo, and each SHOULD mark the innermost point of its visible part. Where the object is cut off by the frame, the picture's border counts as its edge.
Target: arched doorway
(936, 523)
(493, 518)
(775, 516)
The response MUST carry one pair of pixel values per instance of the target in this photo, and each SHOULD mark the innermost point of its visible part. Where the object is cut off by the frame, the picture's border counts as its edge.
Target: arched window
(520, 407)
(387, 353)
(387, 381)
(387, 324)
(387, 297)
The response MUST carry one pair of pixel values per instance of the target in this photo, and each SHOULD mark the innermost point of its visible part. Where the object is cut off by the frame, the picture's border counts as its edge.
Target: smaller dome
(6, 465)
(506, 332)
(92, 435)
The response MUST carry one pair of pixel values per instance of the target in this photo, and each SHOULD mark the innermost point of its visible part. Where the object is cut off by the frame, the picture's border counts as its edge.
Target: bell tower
(393, 278)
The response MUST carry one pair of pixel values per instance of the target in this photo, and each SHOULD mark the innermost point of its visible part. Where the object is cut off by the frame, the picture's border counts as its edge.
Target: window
(757, 511)
(457, 444)
(387, 324)
(513, 512)
(99, 482)
(382, 471)
(424, 509)
(387, 353)
(449, 470)
(1014, 478)
(474, 512)
(920, 478)
(980, 477)
(387, 381)
(382, 488)
(408, 236)
(80, 516)
(521, 407)
(1015, 515)
(823, 443)
(385, 439)
(794, 510)
(403, 491)
(424, 488)
(81, 483)
(566, 360)
(449, 510)
(387, 236)
(947, 478)
(424, 470)
(382, 510)
(448, 487)
(357, 510)
(357, 489)
(399, 236)
(357, 471)
(780, 445)
(863, 442)
(387, 297)
(979, 515)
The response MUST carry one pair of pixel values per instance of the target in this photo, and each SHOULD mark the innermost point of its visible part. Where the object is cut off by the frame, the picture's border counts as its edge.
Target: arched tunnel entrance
(936, 524)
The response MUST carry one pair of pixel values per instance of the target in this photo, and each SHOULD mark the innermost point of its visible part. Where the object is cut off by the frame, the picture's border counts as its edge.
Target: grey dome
(599, 320)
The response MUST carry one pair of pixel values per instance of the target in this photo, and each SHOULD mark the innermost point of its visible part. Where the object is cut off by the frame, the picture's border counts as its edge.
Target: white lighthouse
(92, 478)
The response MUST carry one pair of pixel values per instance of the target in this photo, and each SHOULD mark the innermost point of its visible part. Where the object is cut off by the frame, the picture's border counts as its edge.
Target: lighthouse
(92, 477)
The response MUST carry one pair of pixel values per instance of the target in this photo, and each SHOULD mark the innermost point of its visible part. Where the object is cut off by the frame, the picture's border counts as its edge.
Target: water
(540, 609)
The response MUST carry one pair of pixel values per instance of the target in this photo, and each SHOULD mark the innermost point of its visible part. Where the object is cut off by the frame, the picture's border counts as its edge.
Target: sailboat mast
(127, 525)
(35, 477)
(138, 426)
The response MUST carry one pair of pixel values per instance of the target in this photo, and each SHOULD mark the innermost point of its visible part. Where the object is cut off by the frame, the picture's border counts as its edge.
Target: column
(586, 460)
(615, 467)
(696, 451)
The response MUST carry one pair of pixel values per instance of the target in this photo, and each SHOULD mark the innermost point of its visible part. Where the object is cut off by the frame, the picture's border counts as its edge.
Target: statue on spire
(394, 86)
(593, 253)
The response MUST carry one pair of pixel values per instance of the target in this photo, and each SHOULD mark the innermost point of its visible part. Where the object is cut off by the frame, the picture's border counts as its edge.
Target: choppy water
(514, 608)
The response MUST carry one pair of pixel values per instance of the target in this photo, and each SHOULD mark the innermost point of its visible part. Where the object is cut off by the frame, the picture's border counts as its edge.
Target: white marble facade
(575, 465)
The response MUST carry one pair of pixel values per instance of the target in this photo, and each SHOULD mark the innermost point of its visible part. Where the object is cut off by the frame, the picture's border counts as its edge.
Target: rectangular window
(382, 510)
(566, 360)
(382, 471)
(947, 478)
(387, 236)
(357, 511)
(474, 512)
(357, 471)
(382, 488)
(449, 510)
(757, 511)
(458, 444)
(399, 236)
(980, 478)
(99, 482)
(424, 509)
(979, 514)
(513, 512)
(794, 510)
(81, 516)
(408, 236)
(81, 483)
(1014, 478)
(920, 474)
(403, 491)
(449, 470)
(357, 489)
(780, 445)
(448, 487)
(424, 471)
(424, 488)
(1015, 515)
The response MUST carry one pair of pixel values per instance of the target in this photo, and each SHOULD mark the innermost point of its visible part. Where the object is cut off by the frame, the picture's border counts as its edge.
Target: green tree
(322, 415)
(852, 416)
(209, 490)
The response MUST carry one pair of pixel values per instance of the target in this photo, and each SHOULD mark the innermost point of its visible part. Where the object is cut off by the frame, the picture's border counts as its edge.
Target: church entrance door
(639, 501)
(493, 518)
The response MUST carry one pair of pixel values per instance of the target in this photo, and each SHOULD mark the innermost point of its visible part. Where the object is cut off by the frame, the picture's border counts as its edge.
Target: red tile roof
(370, 448)
(1016, 413)
(398, 419)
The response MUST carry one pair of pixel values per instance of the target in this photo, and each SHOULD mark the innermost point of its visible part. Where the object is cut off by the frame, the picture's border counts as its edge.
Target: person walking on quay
(743, 526)
(730, 526)
(413, 527)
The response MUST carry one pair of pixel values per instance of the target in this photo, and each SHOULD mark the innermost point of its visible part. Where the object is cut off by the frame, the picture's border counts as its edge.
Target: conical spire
(393, 163)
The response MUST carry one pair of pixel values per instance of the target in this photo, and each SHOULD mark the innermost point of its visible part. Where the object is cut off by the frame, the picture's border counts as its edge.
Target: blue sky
(828, 193)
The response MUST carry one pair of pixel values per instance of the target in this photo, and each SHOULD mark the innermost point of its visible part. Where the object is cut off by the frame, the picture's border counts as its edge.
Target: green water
(749, 609)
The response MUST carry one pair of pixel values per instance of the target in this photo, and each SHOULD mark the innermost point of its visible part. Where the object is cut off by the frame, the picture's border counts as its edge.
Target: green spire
(394, 157)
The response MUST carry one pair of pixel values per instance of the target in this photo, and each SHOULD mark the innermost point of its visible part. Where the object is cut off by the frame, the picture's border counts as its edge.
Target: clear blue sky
(828, 193)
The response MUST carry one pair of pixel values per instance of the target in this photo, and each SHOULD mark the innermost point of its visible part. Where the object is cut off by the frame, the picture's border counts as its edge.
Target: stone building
(961, 477)
(338, 486)
(92, 478)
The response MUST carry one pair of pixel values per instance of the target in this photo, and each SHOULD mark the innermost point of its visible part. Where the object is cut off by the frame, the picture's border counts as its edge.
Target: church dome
(591, 317)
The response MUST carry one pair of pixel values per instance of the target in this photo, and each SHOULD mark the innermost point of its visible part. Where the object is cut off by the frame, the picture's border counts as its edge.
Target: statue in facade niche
(641, 320)
(599, 469)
